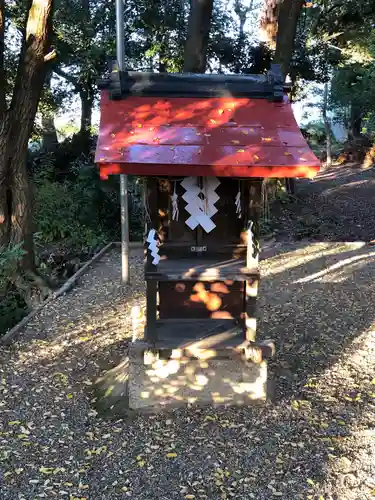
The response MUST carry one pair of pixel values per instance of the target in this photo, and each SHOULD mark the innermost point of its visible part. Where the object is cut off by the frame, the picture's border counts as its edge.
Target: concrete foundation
(155, 381)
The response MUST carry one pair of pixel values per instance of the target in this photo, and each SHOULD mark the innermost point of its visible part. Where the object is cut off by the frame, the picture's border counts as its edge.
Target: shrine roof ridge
(121, 84)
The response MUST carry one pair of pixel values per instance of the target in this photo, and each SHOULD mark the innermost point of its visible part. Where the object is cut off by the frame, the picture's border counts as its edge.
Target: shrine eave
(204, 136)
(142, 169)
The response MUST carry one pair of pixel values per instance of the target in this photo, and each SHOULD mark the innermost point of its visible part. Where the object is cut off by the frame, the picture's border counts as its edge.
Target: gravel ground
(337, 205)
(314, 440)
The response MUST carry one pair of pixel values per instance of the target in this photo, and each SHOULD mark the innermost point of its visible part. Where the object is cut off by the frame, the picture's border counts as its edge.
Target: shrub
(59, 214)
(83, 210)
(12, 305)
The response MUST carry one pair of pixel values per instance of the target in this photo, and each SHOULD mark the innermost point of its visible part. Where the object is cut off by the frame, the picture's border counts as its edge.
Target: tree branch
(51, 55)
(2, 68)
(69, 78)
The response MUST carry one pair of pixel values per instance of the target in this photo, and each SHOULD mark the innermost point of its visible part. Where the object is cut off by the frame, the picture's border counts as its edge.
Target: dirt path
(315, 440)
(338, 205)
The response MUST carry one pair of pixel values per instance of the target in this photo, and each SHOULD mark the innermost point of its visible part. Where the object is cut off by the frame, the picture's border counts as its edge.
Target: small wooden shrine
(204, 144)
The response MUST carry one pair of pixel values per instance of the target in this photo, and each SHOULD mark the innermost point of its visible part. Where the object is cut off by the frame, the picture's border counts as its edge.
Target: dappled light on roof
(239, 137)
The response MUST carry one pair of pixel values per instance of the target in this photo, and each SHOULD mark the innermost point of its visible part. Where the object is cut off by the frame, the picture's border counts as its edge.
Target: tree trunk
(22, 229)
(86, 113)
(4, 188)
(162, 64)
(195, 56)
(2, 69)
(327, 126)
(354, 132)
(49, 139)
(242, 13)
(4, 216)
(289, 11)
(84, 135)
(86, 83)
(355, 123)
(16, 211)
(268, 22)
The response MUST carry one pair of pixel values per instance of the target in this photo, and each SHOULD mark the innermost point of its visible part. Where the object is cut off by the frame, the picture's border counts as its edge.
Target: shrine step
(201, 270)
(210, 333)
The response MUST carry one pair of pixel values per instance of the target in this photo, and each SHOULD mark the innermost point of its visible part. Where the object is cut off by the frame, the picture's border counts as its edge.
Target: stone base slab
(153, 381)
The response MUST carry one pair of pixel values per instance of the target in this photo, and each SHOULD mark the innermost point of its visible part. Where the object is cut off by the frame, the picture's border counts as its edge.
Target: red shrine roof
(190, 136)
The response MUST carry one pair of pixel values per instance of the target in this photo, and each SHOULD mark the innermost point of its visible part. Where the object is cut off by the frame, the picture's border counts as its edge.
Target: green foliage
(353, 84)
(9, 259)
(79, 207)
(58, 214)
(12, 307)
(315, 133)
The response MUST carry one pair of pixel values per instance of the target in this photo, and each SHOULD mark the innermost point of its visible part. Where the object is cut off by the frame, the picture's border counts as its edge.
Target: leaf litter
(307, 442)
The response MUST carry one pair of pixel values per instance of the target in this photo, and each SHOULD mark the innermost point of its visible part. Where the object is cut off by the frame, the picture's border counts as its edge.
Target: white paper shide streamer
(153, 246)
(201, 202)
(238, 205)
(250, 240)
(175, 210)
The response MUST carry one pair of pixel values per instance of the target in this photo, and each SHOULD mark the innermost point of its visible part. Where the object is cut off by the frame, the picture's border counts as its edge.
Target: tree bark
(4, 187)
(86, 83)
(279, 21)
(22, 229)
(289, 11)
(49, 138)
(4, 216)
(327, 126)
(86, 113)
(2, 69)
(354, 132)
(242, 13)
(195, 56)
(355, 123)
(268, 22)
(16, 212)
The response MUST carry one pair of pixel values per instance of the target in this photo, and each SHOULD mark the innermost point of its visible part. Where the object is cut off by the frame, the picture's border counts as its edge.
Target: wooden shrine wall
(201, 300)
(230, 230)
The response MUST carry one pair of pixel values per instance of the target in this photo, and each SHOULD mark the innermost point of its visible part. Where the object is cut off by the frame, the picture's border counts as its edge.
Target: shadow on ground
(312, 441)
(338, 205)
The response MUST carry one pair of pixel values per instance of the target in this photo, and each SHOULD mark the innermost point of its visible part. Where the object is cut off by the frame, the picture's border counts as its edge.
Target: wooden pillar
(151, 285)
(151, 311)
(252, 258)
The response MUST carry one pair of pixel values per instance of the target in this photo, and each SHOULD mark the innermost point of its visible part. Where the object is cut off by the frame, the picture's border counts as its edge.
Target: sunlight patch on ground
(306, 254)
(338, 272)
(346, 186)
(98, 330)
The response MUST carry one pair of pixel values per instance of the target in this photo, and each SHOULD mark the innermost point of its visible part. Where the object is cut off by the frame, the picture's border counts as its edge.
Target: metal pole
(120, 52)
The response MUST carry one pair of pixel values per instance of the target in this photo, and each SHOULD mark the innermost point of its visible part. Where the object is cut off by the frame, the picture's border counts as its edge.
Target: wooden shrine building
(204, 144)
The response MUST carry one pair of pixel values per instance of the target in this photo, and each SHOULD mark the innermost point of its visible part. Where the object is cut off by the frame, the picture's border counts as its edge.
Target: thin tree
(17, 114)
(199, 24)
(288, 15)
(327, 125)
(279, 22)
(242, 12)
